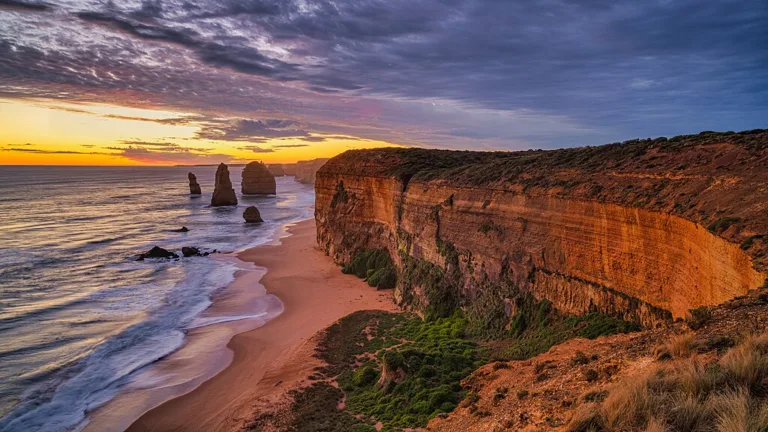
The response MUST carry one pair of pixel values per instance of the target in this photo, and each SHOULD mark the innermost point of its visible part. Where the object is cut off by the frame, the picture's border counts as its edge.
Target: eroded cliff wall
(645, 230)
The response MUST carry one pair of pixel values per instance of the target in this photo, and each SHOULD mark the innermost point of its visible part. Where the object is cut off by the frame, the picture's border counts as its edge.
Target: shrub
(722, 224)
(522, 394)
(688, 395)
(579, 359)
(376, 266)
(365, 375)
(677, 347)
(699, 317)
(591, 375)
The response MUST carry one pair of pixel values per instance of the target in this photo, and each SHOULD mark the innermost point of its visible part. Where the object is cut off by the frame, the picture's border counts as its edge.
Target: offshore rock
(189, 251)
(223, 193)
(252, 215)
(257, 180)
(276, 170)
(194, 188)
(157, 252)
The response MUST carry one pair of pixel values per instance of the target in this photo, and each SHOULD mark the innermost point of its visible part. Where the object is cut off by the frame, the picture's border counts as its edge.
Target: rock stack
(276, 169)
(252, 215)
(289, 169)
(194, 188)
(223, 193)
(257, 180)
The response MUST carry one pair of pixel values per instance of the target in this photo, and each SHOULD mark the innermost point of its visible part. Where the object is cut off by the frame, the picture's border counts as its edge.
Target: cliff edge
(644, 230)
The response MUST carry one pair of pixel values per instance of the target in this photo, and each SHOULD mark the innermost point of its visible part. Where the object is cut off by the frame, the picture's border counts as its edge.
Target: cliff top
(717, 179)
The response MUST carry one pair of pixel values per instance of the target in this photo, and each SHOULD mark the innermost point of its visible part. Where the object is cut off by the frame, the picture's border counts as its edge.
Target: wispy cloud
(450, 73)
(257, 149)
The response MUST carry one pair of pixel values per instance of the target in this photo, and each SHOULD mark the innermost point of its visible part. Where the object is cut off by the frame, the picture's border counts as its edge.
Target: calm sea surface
(78, 315)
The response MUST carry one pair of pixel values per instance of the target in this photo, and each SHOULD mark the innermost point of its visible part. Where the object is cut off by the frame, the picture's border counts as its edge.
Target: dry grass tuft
(676, 348)
(688, 395)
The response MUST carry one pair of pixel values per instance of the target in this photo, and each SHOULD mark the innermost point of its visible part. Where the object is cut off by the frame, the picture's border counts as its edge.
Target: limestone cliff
(645, 230)
(306, 171)
(258, 180)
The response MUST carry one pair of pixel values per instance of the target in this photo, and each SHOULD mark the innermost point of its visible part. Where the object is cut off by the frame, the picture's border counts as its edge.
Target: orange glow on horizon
(35, 132)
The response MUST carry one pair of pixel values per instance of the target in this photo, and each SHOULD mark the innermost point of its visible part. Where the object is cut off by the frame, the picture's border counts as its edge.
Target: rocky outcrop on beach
(276, 170)
(157, 252)
(223, 193)
(194, 187)
(257, 180)
(644, 230)
(189, 251)
(252, 215)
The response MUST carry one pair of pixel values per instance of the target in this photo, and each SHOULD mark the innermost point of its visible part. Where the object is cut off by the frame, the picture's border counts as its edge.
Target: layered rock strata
(306, 171)
(257, 180)
(223, 192)
(644, 230)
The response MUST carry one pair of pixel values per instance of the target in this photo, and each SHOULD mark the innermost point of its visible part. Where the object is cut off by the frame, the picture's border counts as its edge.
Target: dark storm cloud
(478, 73)
(250, 130)
(239, 58)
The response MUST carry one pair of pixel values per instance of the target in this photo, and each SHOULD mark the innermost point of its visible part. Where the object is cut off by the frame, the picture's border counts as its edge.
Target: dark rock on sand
(252, 215)
(189, 251)
(194, 188)
(223, 193)
(257, 180)
(157, 252)
(182, 229)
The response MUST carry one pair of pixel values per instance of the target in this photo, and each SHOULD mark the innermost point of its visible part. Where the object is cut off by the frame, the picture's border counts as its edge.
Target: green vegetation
(750, 241)
(533, 168)
(699, 317)
(341, 196)
(689, 395)
(374, 265)
(537, 327)
(422, 362)
(722, 224)
(440, 290)
(316, 409)
(490, 226)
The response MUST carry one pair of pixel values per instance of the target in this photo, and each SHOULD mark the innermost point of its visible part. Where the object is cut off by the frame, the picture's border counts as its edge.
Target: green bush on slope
(374, 265)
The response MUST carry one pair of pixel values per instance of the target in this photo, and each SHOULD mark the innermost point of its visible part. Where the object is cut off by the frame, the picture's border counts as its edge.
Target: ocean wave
(117, 316)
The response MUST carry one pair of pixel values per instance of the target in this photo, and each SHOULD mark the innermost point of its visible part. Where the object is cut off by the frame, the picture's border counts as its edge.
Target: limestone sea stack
(252, 215)
(194, 188)
(289, 169)
(257, 180)
(276, 169)
(223, 193)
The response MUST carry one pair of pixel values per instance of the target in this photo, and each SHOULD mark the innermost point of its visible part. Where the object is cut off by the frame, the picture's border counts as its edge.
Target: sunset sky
(208, 81)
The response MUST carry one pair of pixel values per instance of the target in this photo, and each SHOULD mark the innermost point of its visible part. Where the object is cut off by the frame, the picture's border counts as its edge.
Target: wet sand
(271, 359)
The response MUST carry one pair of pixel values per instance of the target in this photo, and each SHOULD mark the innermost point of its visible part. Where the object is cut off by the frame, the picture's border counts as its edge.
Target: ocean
(80, 318)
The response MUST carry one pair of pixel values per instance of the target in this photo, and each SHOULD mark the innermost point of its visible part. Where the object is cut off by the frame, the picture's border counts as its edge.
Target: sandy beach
(269, 360)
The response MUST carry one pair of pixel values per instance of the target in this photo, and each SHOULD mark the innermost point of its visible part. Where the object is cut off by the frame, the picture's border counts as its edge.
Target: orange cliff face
(645, 231)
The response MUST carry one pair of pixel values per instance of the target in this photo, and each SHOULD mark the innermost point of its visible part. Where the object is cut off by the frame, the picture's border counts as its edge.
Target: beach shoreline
(265, 362)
